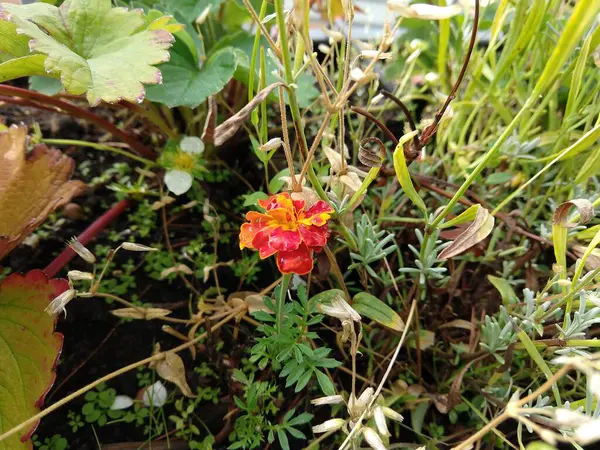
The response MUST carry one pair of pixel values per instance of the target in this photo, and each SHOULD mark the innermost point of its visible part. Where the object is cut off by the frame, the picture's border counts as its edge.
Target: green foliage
(373, 245)
(81, 41)
(288, 349)
(97, 407)
(56, 442)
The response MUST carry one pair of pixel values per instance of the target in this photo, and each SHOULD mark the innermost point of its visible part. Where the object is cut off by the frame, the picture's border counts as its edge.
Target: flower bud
(271, 144)
(58, 304)
(391, 414)
(329, 400)
(329, 425)
(76, 275)
(379, 417)
(373, 439)
(81, 250)
(133, 247)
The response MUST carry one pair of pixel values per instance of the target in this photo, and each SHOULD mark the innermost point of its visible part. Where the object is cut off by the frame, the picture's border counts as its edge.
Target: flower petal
(298, 261)
(314, 237)
(178, 181)
(155, 395)
(284, 240)
(319, 208)
(318, 214)
(282, 200)
(192, 145)
(121, 402)
(261, 243)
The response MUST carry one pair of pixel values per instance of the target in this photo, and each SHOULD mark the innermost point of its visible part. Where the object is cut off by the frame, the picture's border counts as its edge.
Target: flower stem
(102, 147)
(285, 282)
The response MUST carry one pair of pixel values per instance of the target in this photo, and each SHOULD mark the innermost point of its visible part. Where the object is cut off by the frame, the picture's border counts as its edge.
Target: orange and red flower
(288, 230)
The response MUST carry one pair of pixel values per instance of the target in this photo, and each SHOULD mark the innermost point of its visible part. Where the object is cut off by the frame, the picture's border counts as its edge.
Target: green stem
(102, 147)
(285, 282)
(482, 164)
(294, 108)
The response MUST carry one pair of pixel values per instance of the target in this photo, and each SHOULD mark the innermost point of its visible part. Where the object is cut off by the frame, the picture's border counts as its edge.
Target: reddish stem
(90, 233)
(79, 112)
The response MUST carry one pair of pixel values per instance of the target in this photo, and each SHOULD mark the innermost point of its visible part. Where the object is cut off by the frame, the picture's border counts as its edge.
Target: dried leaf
(178, 268)
(29, 349)
(584, 207)
(171, 368)
(31, 187)
(477, 231)
(228, 128)
(592, 261)
(141, 313)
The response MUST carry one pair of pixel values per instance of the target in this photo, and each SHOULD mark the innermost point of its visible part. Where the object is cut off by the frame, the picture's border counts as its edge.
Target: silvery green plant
(577, 324)
(373, 245)
(427, 261)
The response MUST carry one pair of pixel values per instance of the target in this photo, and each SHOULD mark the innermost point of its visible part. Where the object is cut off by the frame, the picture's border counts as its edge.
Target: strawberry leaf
(29, 349)
(31, 186)
(106, 53)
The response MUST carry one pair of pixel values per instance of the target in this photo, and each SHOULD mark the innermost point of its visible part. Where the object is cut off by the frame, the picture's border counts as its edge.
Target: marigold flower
(288, 230)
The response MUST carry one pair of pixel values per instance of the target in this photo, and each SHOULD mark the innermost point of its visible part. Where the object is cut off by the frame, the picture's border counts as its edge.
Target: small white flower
(568, 417)
(155, 395)
(379, 417)
(594, 384)
(329, 425)
(178, 181)
(373, 439)
(133, 247)
(57, 305)
(121, 402)
(423, 10)
(76, 275)
(340, 309)
(329, 400)
(587, 433)
(376, 54)
(391, 414)
(271, 144)
(357, 406)
(81, 250)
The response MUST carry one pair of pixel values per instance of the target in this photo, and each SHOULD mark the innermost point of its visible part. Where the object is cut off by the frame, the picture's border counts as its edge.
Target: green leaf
(404, 176)
(252, 199)
(325, 383)
(104, 52)
(186, 84)
(29, 349)
(276, 184)
(22, 67)
(418, 417)
(539, 445)
(325, 297)
(368, 305)
(303, 380)
(283, 440)
(466, 216)
(498, 178)
(45, 85)
(506, 291)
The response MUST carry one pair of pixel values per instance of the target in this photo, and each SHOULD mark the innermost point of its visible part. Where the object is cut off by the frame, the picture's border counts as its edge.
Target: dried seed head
(329, 425)
(81, 250)
(76, 275)
(369, 155)
(329, 400)
(133, 247)
(57, 305)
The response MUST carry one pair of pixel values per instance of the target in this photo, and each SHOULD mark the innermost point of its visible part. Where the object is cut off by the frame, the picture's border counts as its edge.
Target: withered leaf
(584, 207)
(228, 128)
(141, 313)
(476, 232)
(171, 368)
(31, 186)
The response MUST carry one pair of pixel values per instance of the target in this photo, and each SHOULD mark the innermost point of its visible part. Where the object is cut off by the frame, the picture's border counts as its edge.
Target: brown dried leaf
(171, 368)
(228, 128)
(31, 186)
(140, 313)
(477, 231)
(593, 260)
(584, 207)
(178, 268)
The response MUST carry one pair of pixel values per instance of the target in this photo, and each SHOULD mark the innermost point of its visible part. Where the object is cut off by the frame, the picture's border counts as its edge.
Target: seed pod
(370, 156)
